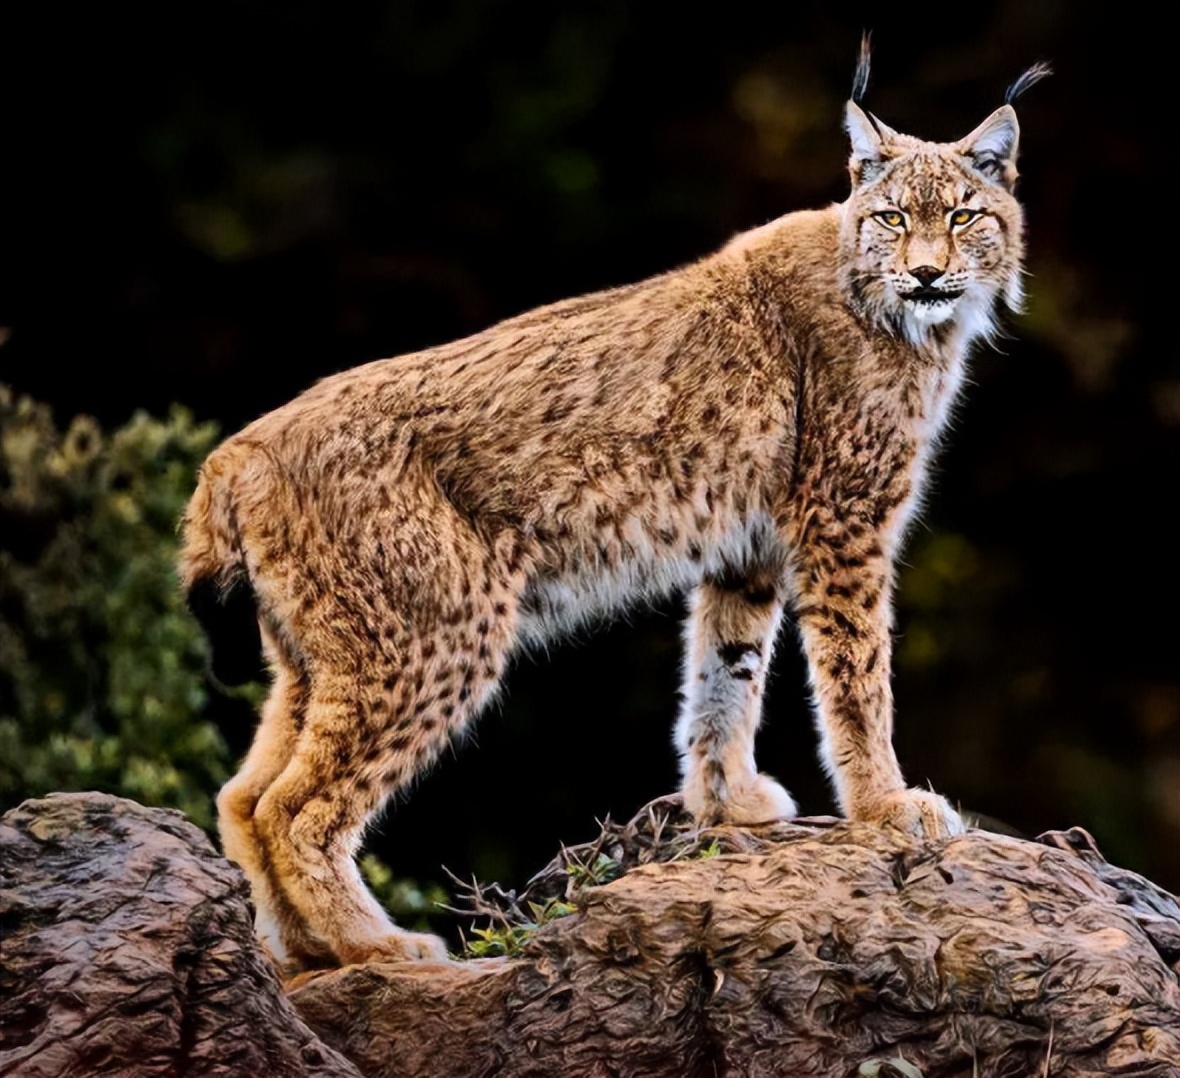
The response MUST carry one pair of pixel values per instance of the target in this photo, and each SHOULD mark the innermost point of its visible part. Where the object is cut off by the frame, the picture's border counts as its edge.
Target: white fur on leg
(266, 927)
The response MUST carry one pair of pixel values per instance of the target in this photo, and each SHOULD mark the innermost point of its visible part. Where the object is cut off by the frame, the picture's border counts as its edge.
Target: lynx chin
(752, 429)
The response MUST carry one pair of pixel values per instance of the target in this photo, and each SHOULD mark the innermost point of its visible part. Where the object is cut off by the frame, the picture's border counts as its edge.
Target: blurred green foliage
(101, 667)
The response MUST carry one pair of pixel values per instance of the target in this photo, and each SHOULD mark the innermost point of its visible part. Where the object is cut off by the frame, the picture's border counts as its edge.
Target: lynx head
(932, 235)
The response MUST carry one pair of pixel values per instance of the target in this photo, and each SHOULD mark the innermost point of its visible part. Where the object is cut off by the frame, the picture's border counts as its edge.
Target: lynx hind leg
(387, 693)
(278, 925)
(729, 637)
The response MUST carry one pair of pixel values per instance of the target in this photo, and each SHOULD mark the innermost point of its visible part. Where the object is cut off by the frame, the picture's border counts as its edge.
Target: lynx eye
(891, 218)
(959, 218)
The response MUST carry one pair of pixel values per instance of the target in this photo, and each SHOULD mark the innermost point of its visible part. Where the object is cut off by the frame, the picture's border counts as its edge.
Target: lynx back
(752, 430)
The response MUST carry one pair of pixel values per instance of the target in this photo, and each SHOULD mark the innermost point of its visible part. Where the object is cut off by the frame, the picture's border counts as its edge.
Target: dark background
(218, 203)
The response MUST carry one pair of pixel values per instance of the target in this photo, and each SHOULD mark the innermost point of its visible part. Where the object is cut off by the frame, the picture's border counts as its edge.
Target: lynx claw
(917, 812)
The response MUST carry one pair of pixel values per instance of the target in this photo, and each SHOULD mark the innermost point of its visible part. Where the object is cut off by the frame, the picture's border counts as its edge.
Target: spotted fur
(753, 429)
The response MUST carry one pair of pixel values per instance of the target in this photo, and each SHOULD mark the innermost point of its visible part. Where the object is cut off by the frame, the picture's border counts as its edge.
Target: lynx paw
(763, 800)
(917, 812)
(759, 801)
(398, 946)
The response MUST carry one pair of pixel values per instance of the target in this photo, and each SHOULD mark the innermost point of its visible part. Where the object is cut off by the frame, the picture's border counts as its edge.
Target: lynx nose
(926, 275)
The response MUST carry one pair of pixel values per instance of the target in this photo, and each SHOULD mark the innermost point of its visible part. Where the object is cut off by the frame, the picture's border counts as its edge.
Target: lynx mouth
(931, 295)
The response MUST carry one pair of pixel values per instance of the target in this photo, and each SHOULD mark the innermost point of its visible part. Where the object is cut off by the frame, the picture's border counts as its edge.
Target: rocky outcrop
(821, 948)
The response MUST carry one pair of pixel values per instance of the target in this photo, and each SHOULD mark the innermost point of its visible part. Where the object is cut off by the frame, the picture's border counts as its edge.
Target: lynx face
(932, 231)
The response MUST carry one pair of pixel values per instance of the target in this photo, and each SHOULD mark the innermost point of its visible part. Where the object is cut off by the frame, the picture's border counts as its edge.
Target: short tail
(213, 573)
(211, 546)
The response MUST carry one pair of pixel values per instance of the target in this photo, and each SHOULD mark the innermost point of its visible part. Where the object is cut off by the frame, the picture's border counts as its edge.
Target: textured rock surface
(790, 949)
(806, 950)
(128, 948)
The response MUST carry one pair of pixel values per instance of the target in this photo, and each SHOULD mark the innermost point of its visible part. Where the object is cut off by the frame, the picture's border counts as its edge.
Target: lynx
(753, 429)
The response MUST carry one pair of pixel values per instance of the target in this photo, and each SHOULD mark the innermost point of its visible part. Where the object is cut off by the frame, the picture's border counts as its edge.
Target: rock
(813, 947)
(129, 949)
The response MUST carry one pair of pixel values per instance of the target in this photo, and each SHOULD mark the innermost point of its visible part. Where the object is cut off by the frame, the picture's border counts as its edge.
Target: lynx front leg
(844, 590)
(732, 624)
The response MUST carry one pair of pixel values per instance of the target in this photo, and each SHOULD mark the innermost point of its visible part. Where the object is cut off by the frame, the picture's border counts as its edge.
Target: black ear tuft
(860, 80)
(1030, 78)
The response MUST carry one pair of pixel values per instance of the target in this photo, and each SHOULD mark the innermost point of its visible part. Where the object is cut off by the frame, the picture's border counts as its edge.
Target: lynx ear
(868, 136)
(991, 147)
